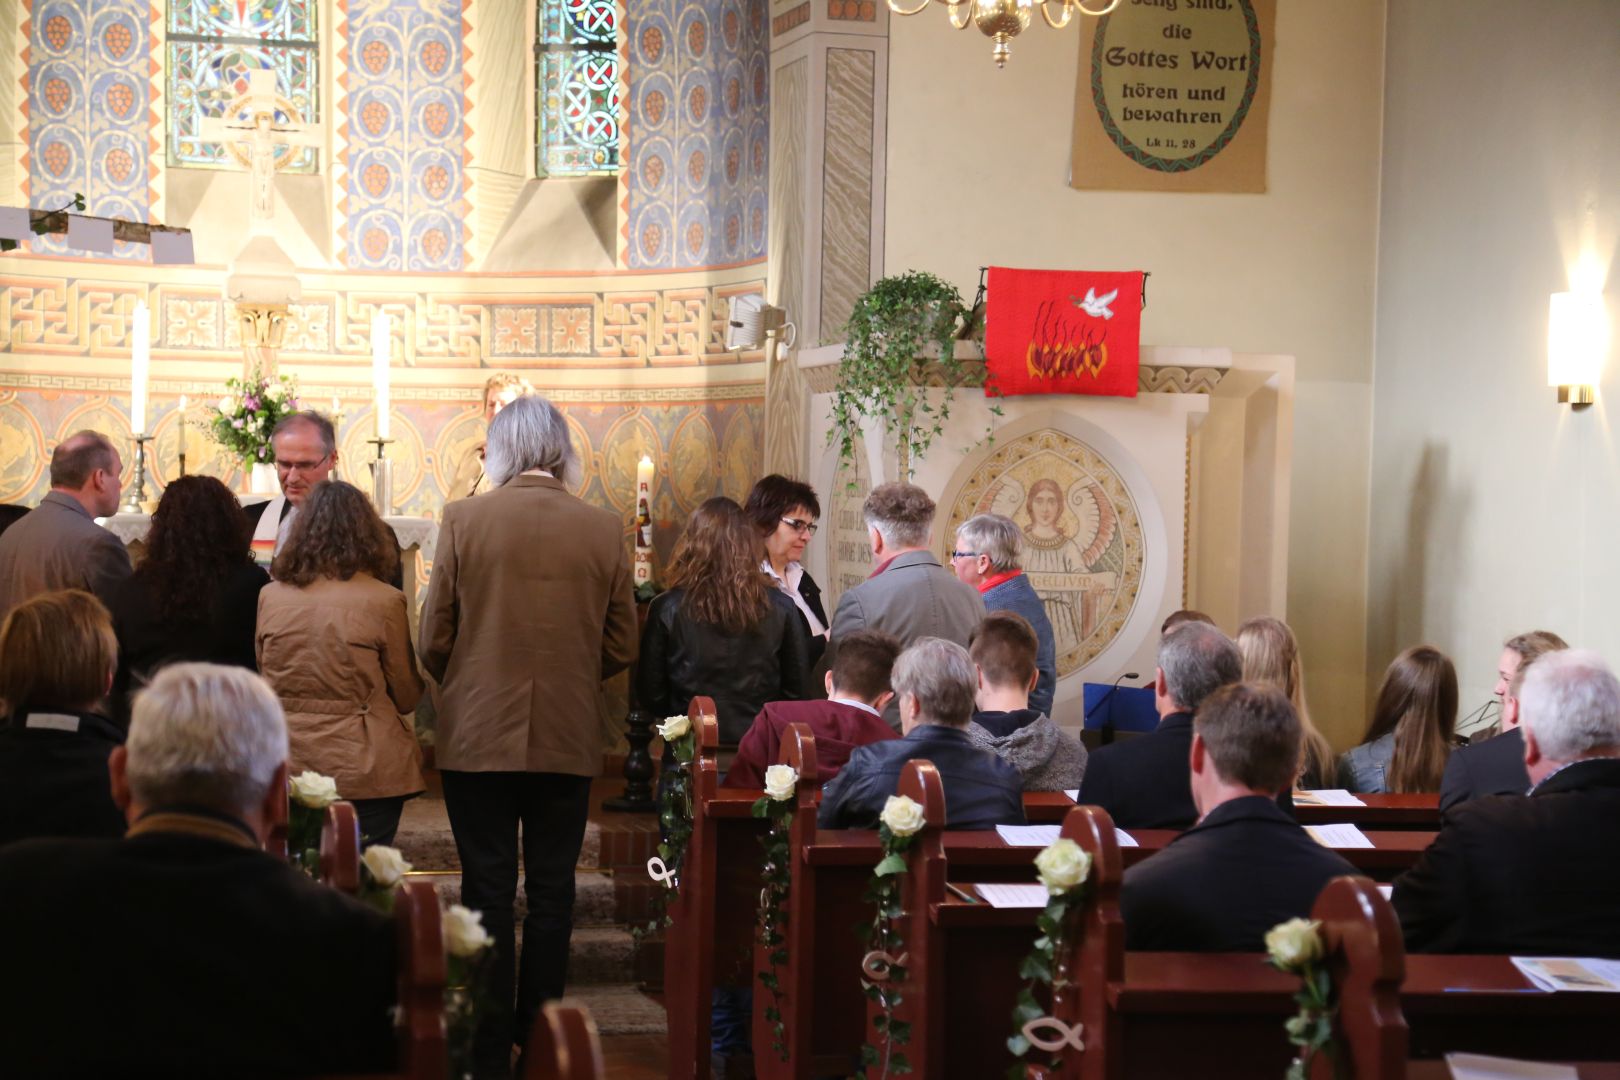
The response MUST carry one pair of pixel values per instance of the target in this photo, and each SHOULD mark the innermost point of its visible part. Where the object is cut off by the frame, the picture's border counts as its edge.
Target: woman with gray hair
(528, 611)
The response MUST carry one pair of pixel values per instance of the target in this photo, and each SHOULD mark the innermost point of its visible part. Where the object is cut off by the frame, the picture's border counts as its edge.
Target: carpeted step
(600, 955)
(425, 839)
(594, 896)
(619, 1009)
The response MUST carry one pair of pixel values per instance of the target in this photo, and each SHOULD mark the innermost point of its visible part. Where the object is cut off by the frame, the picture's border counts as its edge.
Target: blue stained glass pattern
(579, 86)
(212, 47)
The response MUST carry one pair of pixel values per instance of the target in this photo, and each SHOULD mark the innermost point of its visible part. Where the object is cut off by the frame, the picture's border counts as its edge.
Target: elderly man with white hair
(1536, 874)
(935, 683)
(529, 609)
(184, 949)
(986, 557)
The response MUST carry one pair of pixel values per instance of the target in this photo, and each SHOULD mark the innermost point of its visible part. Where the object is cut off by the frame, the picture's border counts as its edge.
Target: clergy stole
(267, 534)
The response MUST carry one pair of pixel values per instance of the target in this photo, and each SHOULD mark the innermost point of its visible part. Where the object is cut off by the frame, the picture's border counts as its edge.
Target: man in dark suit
(59, 545)
(909, 594)
(1144, 783)
(1246, 866)
(1534, 875)
(851, 716)
(1495, 766)
(184, 950)
(935, 683)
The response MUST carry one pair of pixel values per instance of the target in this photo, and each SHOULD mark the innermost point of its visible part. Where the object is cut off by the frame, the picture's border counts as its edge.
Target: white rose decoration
(385, 864)
(313, 790)
(1062, 866)
(902, 815)
(1294, 944)
(464, 933)
(227, 404)
(781, 781)
(674, 727)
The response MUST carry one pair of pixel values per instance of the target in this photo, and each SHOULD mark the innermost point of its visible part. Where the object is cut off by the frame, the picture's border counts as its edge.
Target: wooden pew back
(1367, 958)
(340, 848)
(563, 1045)
(689, 942)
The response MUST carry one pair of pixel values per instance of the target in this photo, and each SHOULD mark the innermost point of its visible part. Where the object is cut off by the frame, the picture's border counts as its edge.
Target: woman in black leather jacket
(721, 630)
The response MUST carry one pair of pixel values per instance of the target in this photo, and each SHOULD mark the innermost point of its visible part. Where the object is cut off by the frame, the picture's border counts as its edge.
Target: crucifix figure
(250, 129)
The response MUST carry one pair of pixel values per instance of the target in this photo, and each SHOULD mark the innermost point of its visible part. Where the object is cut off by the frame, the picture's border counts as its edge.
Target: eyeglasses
(964, 554)
(806, 527)
(290, 467)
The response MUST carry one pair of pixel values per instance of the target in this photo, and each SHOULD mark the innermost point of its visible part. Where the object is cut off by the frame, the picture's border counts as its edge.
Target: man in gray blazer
(909, 595)
(58, 545)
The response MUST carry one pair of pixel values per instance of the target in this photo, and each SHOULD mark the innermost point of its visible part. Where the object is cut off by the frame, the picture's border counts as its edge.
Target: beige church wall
(977, 164)
(1495, 509)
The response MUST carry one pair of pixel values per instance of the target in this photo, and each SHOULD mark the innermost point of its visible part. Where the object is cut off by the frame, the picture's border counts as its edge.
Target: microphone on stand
(1108, 724)
(1464, 732)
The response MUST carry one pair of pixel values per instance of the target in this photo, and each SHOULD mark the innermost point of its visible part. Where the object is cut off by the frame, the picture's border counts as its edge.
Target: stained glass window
(578, 87)
(213, 45)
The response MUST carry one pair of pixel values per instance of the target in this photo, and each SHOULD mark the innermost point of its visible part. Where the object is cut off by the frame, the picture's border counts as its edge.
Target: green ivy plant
(1063, 869)
(675, 821)
(885, 367)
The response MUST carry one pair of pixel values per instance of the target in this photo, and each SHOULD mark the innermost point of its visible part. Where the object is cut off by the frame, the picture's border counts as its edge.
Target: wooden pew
(340, 848)
(563, 1045)
(423, 1053)
(1384, 811)
(276, 843)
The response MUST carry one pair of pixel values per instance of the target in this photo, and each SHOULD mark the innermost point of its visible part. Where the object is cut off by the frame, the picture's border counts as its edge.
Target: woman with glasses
(721, 630)
(785, 512)
(195, 596)
(334, 641)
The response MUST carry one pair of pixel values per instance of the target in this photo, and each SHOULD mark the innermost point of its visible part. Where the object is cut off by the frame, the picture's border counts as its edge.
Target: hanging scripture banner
(1062, 332)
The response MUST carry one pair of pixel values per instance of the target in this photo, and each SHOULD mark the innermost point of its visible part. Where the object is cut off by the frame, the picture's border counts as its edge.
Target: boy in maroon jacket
(852, 715)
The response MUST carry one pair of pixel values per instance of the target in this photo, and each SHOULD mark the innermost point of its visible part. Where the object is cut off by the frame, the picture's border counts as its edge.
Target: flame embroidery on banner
(1061, 348)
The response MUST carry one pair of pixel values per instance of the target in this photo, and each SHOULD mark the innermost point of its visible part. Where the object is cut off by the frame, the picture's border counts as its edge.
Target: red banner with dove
(1062, 332)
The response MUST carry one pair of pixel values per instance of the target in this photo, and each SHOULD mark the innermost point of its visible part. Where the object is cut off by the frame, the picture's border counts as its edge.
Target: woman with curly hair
(195, 596)
(722, 630)
(334, 642)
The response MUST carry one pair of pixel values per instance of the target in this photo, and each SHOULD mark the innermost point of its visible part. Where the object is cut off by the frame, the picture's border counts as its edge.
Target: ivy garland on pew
(1063, 868)
(884, 964)
(1296, 948)
(776, 805)
(675, 820)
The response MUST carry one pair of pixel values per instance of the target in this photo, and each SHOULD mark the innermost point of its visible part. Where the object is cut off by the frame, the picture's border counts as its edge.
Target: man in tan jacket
(529, 609)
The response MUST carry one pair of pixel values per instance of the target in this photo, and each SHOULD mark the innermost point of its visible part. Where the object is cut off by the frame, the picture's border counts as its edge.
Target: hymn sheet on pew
(1338, 836)
(1012, 896)
(1484, 1067)
(1326, 797)
(1046, 835)
(1571, 973)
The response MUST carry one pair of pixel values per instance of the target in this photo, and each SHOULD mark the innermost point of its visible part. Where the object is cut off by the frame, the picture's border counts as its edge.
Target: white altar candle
(140, 362)
(381, 350)
(641, 568)
(644, 482)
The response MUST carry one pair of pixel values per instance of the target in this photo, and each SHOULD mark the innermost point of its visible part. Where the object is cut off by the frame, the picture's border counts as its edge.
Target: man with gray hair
(305, 448)
(529, 609)
(909, 595)
(935, 683)
(58, 545)
(231, 947)
(986, 557)
(1537, 874)
(1145, 783)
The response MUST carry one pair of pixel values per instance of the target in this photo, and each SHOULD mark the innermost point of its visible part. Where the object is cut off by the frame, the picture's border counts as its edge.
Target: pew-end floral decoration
(1296, 948)
(675, 820)
(308, 795)
(1063, 868)
(382, 869)
(883, 969)
(467, 994)
(776, 806)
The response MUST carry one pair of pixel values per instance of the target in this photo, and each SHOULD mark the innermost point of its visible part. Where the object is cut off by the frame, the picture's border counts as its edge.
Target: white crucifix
(253, 134)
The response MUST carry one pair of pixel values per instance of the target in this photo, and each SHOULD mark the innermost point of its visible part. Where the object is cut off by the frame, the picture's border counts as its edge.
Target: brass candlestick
(382, 478)
(135, 495)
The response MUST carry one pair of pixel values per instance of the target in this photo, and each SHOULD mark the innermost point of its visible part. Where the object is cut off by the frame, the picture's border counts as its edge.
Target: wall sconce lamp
(1577, 341)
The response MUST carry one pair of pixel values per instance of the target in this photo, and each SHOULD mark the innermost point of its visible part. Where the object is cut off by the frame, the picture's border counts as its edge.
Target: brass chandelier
(1004, 20)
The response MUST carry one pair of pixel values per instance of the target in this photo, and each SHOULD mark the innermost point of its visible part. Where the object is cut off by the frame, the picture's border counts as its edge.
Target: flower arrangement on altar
(250, 410)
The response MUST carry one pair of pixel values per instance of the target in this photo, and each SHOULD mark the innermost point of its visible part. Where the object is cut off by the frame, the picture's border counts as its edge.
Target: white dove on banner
(1096, 306)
